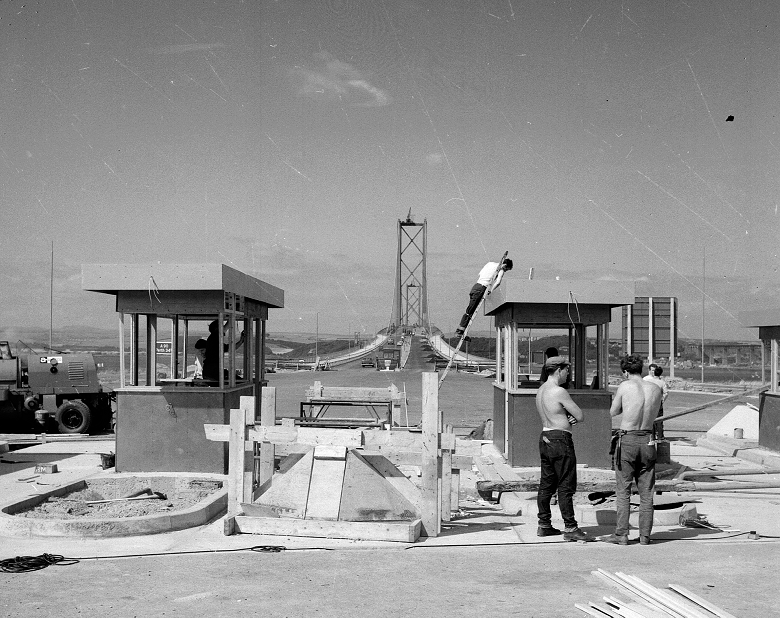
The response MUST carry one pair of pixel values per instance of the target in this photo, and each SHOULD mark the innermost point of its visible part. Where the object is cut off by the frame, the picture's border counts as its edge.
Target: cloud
(338, 81)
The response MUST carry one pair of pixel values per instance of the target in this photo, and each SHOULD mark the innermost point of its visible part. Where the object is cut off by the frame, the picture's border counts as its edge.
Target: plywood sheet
(327, 478)
(288, 492)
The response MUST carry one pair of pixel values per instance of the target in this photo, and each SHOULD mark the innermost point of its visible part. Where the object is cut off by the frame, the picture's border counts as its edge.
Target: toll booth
(583, 309)
(161, 406)
(768, 324)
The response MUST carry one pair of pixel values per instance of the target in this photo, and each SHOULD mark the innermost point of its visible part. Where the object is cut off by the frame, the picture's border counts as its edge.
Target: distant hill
(80, 337)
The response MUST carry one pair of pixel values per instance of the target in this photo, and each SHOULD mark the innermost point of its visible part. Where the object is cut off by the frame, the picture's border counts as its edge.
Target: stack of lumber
(649, 601)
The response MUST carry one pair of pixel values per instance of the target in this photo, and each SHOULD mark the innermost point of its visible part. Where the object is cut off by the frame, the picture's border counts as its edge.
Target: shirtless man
(634, 459)
(556, 449)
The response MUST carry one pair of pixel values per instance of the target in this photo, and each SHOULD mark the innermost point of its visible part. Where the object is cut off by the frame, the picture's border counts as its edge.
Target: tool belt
(615, 443)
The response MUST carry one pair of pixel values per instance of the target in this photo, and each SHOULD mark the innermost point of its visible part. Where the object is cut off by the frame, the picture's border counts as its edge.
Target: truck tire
(73, 417)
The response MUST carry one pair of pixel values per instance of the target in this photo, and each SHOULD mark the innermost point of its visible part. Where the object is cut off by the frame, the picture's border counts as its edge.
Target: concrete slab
(741, 417)
(476, 522)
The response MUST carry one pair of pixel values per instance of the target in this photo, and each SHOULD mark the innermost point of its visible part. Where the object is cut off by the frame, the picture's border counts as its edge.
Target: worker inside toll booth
(200, 356)
(212, 351)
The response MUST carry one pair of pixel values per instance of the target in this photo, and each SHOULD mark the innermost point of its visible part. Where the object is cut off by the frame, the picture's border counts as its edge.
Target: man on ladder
(490, 275)
(489, 279)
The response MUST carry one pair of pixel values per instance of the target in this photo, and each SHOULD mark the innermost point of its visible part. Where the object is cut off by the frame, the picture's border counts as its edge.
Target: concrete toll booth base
(553, 305)
(160, 420)
(768, 323)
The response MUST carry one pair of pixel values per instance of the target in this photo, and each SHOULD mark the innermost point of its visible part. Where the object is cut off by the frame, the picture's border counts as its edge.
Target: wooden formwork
(437, 453)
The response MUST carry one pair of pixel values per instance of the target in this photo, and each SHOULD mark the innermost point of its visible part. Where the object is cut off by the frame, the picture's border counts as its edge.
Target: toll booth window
(5, 351)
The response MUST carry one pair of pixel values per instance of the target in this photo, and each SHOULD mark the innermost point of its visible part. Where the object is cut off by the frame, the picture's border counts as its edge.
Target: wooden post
(134, 349)
(429, 503)
(151, 350)
(455, 493)
(247, 404)
(267, 450)
(121, 350)
(236, 461)
(446, 474)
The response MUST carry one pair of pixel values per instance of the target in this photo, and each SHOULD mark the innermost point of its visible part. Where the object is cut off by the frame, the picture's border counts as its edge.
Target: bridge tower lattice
(410, 295)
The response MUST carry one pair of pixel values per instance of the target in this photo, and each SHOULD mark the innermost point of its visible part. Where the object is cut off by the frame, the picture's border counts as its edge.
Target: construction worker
(212, 353)
(635, 454)
(480, 287)
(556, 450)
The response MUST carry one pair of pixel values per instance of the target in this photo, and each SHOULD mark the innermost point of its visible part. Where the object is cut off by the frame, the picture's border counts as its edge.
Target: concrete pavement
(485, 560)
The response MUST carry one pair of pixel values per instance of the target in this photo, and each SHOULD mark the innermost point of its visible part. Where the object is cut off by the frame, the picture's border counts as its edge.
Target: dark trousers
(475, 295)
(559, 473)
(637, 464)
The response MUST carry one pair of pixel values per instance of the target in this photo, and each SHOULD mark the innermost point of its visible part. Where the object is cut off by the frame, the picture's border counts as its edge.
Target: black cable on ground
(24, 564)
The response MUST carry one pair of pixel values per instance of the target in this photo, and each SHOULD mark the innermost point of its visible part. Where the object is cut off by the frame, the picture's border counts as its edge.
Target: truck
(59, 390)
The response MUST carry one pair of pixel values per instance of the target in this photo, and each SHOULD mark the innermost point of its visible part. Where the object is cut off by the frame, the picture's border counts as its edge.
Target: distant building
(725, 353)
(650, 327)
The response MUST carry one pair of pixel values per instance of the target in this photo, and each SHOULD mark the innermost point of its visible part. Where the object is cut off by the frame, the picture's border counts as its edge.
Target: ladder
(488, 290)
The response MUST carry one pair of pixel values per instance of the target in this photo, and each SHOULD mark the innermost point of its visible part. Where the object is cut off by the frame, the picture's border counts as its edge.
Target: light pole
(317, 340)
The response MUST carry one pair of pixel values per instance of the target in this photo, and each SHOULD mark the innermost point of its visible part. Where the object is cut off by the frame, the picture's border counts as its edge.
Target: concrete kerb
(206, 510)
(748, 450)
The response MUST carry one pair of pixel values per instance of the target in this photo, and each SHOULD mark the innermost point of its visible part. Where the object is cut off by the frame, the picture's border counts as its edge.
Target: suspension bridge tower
(410, 296)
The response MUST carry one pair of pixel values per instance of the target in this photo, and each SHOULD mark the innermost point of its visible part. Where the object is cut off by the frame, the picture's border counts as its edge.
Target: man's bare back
(638, 401)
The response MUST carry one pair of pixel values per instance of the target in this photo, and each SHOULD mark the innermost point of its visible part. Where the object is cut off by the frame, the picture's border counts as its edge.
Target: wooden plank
(330, 452)
(217, 433)
(642, 596)
(267, 449)
(445, 471)
(247, 404)
(455, 493)
(236, 460)
(412, 441)
(412, 458)
(398, 440)
(286, 497)
(721, 613)
(661, 597)
(591, 486)
(430, 505)
(371, 495)
(327, 480)
(403, 532)
(347, 393)
(394, 476)
(447, 441)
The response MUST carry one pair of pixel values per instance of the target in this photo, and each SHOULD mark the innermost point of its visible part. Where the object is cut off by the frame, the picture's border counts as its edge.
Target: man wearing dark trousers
(556, 449)
(634, 455)
(480, 287)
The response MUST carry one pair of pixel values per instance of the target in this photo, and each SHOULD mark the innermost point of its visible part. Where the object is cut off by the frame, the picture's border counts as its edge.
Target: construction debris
(649, 601)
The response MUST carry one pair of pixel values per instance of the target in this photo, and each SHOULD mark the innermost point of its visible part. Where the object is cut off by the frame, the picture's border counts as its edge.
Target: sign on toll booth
(164, 347)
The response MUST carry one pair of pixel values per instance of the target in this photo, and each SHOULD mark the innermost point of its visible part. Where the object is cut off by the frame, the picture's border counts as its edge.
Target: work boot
(644, 540)
(575, 535)
(547, 531)
(617, 539)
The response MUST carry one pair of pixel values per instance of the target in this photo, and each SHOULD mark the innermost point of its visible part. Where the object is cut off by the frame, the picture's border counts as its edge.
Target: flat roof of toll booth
(558, 303)
(766, 320)
(180, 289)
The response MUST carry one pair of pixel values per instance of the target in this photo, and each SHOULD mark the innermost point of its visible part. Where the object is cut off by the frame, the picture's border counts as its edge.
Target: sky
(617, 140)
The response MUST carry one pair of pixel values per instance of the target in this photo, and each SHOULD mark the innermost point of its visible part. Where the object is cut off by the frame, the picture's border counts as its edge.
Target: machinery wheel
(73, 417)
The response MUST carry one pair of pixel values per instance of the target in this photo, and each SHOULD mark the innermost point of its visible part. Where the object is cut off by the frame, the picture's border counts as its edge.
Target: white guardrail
(323, 362)
(446, 351)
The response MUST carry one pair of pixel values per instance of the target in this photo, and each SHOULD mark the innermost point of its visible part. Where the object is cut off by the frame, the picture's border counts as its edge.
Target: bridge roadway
(436, 344)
